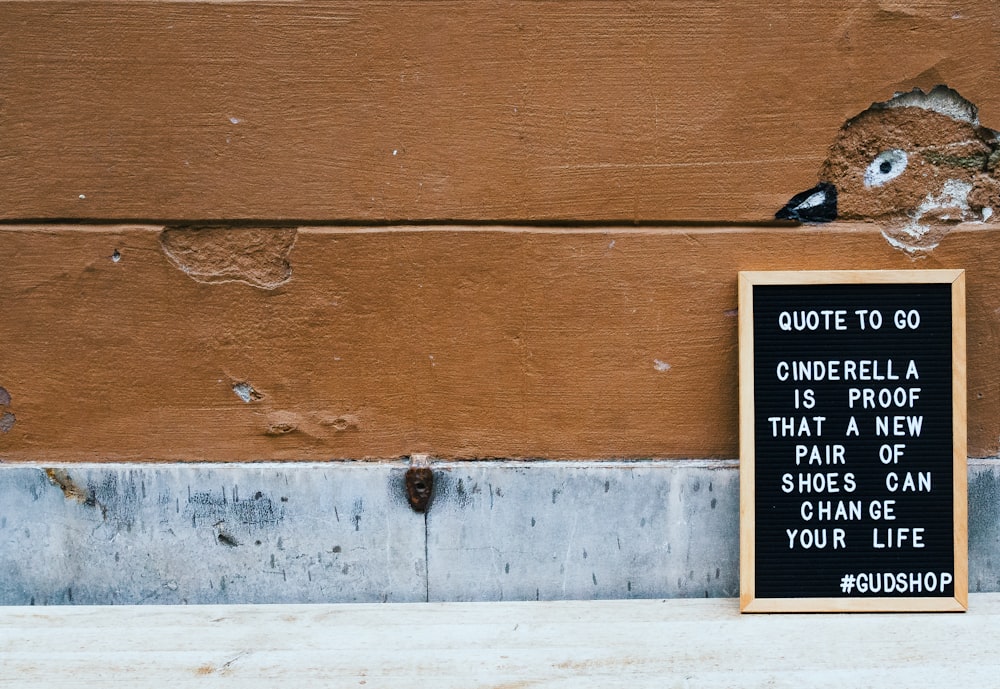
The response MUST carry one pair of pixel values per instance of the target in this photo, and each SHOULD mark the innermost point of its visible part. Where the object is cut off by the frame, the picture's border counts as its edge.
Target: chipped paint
(940, 99)
(951, 205)
(256, 256)
(282, 422)
(246, 392)
(7, 418)
(917, 164)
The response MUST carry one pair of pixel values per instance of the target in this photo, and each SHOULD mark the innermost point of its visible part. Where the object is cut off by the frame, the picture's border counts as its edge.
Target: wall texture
(245, 243)
(450, 110)
(343, 532)
(122, 343)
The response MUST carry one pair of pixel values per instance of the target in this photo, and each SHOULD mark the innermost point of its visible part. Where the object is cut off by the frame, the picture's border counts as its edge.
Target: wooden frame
(749, 600)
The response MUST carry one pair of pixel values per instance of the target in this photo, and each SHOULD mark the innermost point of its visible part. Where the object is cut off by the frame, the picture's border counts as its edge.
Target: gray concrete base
(311, 533)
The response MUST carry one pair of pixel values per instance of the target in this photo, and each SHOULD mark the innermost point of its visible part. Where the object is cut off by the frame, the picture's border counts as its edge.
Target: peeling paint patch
(928, 221)
(282, 422)
(344, 422)
(918, 164)
(661, 365)
(256, 256)
(246, 392)
(7, 418)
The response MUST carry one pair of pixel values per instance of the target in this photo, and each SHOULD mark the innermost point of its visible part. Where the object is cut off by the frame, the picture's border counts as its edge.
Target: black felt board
(853, 441)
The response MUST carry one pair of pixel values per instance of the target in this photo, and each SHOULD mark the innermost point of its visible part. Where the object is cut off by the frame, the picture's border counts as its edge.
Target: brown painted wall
(319, 129)
(460, 342)
(512, 110)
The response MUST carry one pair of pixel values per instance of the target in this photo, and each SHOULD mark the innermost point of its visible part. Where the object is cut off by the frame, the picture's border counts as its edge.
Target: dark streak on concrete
(118, 500)
(457, 491)
(359, 509)
(256, 511)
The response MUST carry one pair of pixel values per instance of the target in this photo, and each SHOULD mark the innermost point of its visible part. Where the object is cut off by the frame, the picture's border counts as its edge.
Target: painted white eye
(887, 166)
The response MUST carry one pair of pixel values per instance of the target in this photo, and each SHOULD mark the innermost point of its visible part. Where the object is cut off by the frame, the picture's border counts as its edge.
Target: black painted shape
(824, 211)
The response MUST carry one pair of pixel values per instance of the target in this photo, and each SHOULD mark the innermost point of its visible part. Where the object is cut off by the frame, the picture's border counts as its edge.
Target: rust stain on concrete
(62, 479)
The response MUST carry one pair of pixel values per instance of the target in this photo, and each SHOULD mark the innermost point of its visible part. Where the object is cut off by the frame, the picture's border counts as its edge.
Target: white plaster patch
(950, 205)
(661, 365)
(954, 196)
(940, 99)
(903, 246)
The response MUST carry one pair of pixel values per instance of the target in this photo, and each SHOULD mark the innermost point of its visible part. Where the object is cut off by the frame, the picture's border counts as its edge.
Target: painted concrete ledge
(662, 644)
(344, 532)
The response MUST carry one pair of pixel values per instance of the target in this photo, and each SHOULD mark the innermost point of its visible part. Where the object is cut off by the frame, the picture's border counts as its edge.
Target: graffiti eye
(887, 166)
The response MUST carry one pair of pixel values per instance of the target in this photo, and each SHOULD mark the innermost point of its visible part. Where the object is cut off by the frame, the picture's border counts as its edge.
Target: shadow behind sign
(850, 469)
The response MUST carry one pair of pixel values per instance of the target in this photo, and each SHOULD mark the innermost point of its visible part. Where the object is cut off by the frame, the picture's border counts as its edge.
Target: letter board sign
(852, 441)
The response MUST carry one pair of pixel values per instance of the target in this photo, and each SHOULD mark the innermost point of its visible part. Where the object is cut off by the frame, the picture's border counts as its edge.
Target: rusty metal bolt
(419, 483)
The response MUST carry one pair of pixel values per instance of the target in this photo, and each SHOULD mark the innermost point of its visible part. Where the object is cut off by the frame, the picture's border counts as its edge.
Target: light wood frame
(749, 603)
